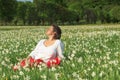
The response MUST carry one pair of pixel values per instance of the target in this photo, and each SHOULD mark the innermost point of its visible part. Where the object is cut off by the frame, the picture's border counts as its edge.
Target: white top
(50, 52)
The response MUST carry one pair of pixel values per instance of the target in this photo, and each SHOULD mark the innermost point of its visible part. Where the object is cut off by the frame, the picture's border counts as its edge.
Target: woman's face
(50, 31)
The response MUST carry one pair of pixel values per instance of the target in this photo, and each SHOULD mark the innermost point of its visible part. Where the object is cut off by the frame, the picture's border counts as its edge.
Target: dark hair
(58, 31)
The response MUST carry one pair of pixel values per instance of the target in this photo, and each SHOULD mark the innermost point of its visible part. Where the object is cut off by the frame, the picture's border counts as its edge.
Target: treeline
(44, 12)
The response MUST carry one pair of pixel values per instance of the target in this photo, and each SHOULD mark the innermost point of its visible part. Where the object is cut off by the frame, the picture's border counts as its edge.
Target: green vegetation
(45, 12)
(92, 53)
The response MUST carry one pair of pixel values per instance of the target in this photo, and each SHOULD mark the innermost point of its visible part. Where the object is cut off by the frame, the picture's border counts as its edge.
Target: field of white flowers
(92, 53)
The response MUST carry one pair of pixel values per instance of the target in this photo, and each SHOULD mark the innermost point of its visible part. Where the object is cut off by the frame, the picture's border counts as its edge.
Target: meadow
(92, 53)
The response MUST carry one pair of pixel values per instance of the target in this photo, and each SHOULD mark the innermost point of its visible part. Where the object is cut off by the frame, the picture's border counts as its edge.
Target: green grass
(92, 53)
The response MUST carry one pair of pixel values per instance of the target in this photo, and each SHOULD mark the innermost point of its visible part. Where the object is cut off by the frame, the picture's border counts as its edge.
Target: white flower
(40, 67)
(27, 78)
(7, 59)
(21, 73)
(71, 58)
(0, 47)
(80, 59)
(56, 76)
(117, 54)
(74, 74)
(101, 73)
(3, 63)
(27, 69)
(73, 51)
(43, 76)
(72, 55)
(73, 65)
(15, 77)
(93, 74)
(3, 75)
(53, 68)
(92, 66)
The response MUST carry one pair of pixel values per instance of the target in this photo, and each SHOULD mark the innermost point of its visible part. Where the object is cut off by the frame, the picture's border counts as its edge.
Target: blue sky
(25, 0)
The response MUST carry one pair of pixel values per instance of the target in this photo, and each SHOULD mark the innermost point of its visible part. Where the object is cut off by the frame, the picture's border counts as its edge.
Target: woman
(48, 51)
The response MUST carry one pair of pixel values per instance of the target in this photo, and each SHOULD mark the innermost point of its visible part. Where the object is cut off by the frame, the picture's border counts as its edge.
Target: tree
(21, 11)
(31, 14)
(7, 10)
(41, 9)
(115, 13)
(59, 2)
(59, 11)
(76, 7)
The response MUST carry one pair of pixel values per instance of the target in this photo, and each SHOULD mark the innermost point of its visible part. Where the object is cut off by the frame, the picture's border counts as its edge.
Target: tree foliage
(43, 12)
(7, 10)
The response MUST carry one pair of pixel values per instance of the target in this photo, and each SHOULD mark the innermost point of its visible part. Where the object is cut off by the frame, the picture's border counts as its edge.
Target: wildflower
(80, 60)
(21, 73)
(93, 74)
(27, 77)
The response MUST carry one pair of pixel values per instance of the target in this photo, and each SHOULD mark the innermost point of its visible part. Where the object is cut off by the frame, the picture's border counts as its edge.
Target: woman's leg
(30, 62)
(24, 63)
(38, 61)
(53, 62)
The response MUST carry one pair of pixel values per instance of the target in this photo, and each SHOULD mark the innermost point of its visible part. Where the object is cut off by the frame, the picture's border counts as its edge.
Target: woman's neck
(50, 38)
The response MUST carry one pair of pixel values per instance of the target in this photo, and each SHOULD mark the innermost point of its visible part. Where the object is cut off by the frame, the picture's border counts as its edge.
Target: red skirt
(49, 63)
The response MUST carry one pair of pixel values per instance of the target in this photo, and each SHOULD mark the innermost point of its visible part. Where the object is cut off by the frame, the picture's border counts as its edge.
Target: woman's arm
(35, 49)
(56, 61)
(60, 50)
